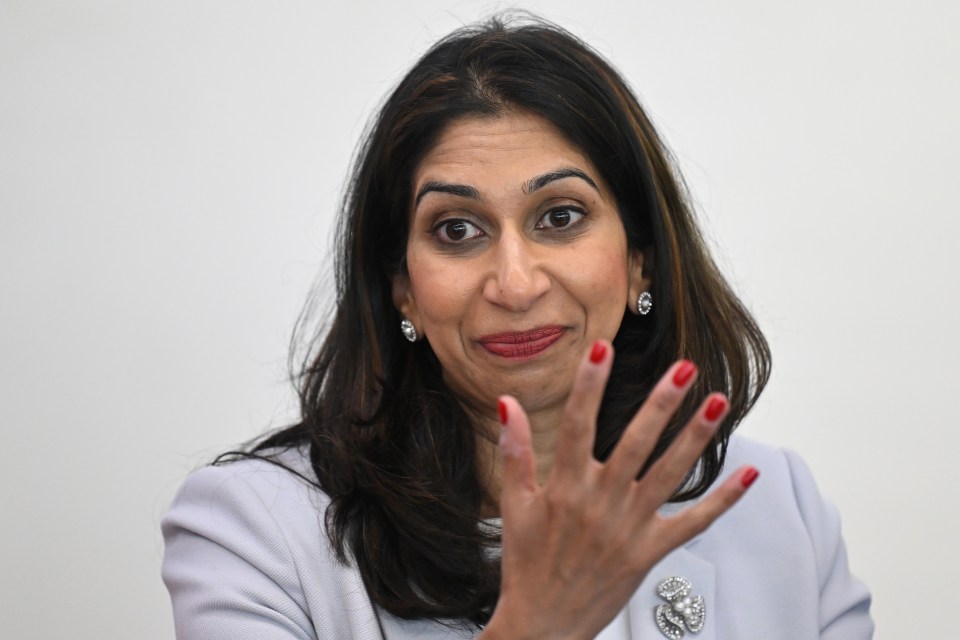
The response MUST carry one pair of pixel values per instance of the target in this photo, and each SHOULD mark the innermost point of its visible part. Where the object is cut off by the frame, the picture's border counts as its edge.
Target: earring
(644, 303)
(409, 331)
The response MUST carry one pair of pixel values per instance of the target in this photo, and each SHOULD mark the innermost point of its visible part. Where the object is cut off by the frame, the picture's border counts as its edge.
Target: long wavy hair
(388, 441)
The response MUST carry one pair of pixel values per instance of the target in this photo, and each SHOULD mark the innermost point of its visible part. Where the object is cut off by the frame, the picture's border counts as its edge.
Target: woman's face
(517, 260)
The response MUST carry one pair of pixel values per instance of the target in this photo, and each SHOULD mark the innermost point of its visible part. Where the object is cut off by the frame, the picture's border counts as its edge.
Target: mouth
(521, 345)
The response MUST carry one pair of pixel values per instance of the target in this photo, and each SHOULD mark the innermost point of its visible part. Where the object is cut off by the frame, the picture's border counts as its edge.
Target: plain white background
(169, 173)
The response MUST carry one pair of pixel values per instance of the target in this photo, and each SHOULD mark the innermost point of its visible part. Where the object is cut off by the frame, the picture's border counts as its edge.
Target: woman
(518, 424)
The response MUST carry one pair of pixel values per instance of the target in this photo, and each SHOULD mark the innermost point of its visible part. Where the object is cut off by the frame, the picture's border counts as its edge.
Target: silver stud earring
(644, 303)
(409, 331)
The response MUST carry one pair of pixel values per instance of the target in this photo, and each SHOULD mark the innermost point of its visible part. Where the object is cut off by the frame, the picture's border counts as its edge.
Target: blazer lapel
(680, 563)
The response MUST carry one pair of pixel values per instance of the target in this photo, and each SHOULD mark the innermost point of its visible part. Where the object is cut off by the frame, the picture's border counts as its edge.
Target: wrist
(507, 625)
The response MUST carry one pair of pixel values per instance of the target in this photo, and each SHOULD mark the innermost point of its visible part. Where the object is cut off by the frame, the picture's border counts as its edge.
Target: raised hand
(576, 547)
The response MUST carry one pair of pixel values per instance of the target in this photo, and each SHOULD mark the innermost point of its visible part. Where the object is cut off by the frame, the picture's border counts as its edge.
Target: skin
(498, 256)
(555, 256)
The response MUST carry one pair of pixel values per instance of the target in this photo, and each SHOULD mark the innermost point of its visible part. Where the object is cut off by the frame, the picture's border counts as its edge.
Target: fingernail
(684, 372)
(749, 476)
(502, 410)
(715, 408)
(599, 350)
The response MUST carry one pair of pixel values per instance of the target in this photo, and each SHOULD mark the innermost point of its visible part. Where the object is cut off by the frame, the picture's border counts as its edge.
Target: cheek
(614, 303)
(441, 292)
(602, 282)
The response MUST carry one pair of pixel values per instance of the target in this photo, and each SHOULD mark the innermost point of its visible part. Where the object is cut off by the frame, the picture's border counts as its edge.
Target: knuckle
(684, 527)
(669, 473)
(698, 524)
(564, 501)
(638, 560)
(576, 419)
(666, 486)
(663, 402)
(727, 500)
(700, 519)
(703, 430)
(633, 441)
(621, 538)
(588, 384)
(587, 519)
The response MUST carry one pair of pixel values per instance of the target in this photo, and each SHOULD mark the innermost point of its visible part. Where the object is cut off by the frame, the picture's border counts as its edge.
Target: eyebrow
(462, 190)
(566, 172)
(539, 182)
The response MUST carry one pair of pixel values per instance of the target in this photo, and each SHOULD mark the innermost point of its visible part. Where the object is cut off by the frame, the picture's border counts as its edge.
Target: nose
(517, 277)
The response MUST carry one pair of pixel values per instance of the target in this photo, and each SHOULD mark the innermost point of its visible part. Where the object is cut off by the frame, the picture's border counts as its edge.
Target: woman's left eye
(560, 218)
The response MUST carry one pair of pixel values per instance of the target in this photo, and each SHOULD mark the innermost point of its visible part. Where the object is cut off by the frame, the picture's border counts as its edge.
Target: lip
(522, 344)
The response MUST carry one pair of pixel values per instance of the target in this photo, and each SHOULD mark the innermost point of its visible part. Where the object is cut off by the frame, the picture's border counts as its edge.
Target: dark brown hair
(388, 441)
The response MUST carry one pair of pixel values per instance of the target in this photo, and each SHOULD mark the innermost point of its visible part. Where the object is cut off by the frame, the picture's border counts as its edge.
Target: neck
(543, 432)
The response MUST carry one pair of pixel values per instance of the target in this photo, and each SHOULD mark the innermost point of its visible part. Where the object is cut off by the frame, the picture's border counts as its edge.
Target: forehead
(508, 148)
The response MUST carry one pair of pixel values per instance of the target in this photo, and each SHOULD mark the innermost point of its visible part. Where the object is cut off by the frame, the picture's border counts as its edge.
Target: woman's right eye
(454, 231)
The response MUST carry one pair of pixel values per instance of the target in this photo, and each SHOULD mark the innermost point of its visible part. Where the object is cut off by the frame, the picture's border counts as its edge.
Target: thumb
(519, 466)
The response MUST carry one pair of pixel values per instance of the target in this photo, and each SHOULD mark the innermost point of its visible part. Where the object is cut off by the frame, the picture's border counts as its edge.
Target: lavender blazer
(247, 557)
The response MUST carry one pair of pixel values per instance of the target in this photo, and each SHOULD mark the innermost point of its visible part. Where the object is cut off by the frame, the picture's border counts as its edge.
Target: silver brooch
(682, 613)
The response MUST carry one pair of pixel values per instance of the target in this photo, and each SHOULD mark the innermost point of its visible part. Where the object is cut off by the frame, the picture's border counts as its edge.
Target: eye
(560, 218)
(454, 231)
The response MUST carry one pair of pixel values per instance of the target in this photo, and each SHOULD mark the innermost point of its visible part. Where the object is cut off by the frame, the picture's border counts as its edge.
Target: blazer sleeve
(844, 601)
(226, 564)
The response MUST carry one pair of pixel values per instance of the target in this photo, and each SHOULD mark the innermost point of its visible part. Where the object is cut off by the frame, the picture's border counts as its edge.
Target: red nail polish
(599, 350)
(502, 410)
(749, 476)
(715, 408)
(684, 372)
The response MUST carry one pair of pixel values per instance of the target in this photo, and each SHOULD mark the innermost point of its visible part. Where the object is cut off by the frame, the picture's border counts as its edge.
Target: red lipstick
(525, 344)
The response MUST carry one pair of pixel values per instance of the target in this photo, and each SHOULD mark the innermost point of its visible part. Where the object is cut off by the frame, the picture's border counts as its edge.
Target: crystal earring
(409, 331)
(644, 303)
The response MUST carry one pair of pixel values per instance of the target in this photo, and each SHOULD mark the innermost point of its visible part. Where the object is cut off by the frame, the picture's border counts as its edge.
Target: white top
(247, 558)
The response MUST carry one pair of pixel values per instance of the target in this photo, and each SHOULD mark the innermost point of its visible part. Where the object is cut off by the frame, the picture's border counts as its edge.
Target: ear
(403, 299)
(638, 278)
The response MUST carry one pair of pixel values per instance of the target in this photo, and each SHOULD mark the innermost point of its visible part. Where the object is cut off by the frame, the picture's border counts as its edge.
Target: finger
(578, 426)
(682, 527)
(665, 475)
(643, 432)
(519, 464)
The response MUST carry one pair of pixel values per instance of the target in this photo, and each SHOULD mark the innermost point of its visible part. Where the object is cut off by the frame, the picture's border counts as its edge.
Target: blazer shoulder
(247, 556)
(786, 484)
(810, 528)
(273, 475)
(785, 470)
(745, 450)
